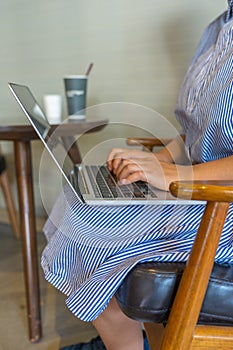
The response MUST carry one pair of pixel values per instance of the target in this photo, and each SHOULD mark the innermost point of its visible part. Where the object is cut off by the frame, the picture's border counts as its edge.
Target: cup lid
(75, 76)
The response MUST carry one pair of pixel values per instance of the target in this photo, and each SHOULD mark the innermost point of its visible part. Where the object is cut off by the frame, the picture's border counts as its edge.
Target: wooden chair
(194, 300)
(147, 143)
(7, 192)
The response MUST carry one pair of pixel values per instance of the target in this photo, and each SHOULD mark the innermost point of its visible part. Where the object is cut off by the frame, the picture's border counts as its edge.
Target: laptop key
(101, 182)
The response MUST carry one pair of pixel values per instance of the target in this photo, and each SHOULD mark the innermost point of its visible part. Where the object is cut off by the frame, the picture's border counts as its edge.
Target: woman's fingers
(117, 155)
(132, 177)
(114, 158)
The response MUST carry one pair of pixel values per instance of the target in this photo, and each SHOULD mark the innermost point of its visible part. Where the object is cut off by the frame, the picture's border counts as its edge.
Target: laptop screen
(52, 140)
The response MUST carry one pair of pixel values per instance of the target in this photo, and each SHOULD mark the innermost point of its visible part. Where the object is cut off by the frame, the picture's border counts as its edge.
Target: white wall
(140, 49)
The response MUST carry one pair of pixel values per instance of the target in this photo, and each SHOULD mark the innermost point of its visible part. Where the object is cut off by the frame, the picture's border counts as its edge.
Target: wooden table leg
(28, 236)
(72, 149)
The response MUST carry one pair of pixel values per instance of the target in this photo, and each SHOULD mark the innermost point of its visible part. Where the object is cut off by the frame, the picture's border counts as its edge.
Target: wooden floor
(60, 327)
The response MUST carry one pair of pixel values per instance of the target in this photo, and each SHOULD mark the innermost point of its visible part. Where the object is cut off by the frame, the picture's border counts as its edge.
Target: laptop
(92, 184)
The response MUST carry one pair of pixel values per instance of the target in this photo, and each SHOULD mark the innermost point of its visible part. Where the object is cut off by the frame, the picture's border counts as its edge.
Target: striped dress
(90, 250)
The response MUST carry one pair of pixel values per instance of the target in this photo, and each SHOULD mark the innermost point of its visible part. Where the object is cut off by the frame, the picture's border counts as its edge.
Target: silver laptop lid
(52, 141)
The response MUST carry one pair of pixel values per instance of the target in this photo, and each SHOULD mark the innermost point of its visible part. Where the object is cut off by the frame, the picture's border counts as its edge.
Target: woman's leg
(117, 331)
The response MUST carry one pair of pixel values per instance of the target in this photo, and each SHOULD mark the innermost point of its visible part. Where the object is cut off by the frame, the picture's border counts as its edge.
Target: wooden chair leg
(154, 333)
(6, 188)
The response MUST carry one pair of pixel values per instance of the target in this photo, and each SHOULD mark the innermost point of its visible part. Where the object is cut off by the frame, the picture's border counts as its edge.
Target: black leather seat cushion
(148, 291)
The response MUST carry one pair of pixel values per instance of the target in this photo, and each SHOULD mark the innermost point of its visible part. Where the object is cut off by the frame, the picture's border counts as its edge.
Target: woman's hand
(133, 165)
(118, 154)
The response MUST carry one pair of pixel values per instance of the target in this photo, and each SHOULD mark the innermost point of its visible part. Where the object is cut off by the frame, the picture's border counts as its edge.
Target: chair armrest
(147, 142)
(192, 288)
(212, 191)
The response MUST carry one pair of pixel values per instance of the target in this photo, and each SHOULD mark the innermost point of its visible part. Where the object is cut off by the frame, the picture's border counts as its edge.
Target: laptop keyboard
(105, 185)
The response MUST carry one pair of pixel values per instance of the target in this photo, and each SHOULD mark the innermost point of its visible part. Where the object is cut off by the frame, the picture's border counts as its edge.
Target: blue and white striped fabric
(90, 250)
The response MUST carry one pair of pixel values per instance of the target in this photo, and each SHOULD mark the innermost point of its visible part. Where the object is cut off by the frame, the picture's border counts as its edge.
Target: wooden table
(21, 136)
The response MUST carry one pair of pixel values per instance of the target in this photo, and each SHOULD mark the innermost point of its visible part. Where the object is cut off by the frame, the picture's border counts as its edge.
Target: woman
(91, 250)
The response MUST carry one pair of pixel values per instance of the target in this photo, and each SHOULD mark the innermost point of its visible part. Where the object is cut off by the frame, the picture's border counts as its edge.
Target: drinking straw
(89, 69)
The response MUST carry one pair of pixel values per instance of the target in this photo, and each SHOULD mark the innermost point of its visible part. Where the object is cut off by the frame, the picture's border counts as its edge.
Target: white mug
(53, 108)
